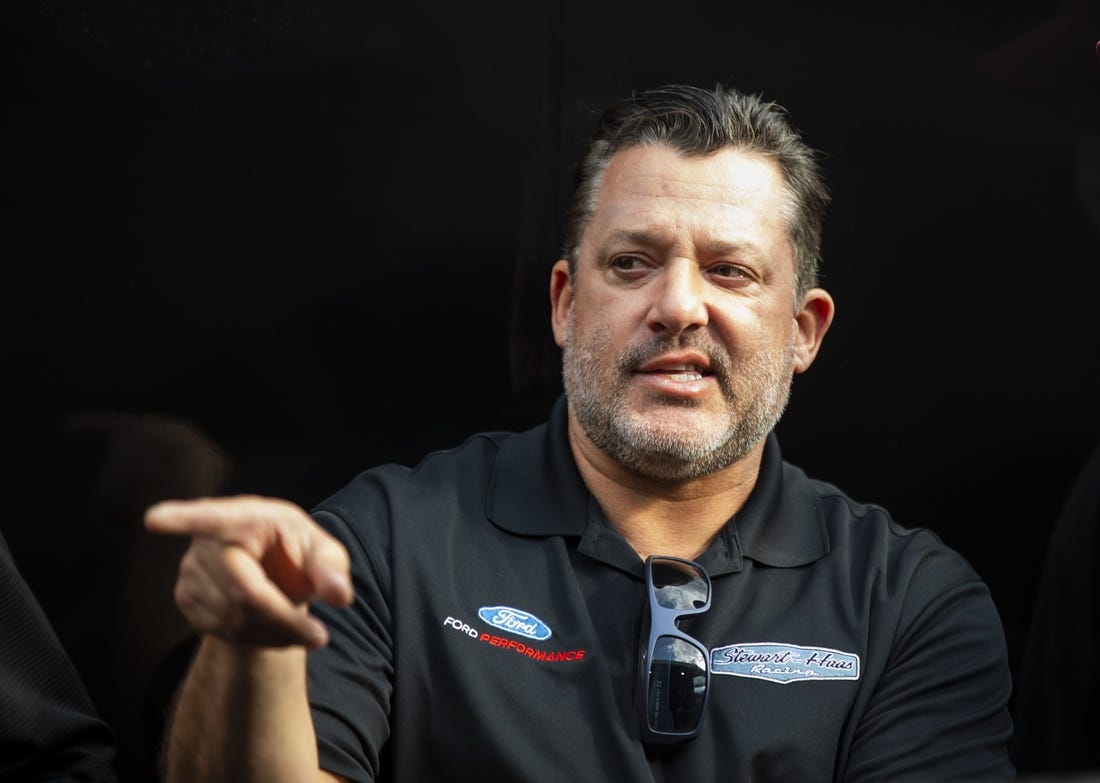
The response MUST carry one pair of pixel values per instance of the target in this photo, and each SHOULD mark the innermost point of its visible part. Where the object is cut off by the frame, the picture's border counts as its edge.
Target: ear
(561, 299)
(811, 322)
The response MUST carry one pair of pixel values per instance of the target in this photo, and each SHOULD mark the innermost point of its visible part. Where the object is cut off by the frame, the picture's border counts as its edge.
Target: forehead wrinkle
(716, 194)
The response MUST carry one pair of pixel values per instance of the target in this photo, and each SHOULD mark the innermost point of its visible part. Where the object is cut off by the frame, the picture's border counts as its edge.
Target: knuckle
(240, 595)
(188, 561)
(184, 600)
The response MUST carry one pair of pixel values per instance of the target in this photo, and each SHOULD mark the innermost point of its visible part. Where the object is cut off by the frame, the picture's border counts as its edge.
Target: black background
(257, 246)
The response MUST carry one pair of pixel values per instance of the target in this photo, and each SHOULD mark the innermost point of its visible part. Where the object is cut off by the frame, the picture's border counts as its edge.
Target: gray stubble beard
(621, 434)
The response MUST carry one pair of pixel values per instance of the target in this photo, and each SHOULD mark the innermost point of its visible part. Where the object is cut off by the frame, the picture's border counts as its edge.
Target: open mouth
(682, 373)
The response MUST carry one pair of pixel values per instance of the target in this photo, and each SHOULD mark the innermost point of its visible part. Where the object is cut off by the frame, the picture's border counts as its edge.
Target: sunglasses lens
(679, 585)
(677, 685)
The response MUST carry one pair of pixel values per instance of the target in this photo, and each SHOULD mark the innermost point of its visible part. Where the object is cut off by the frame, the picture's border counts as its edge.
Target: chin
(672, 445)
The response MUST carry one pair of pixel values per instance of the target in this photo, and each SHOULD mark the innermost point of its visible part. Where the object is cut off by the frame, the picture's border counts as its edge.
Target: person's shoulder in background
(49, 728)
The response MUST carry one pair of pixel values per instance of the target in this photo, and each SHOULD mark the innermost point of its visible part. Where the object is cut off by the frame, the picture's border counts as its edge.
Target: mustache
(719, 361)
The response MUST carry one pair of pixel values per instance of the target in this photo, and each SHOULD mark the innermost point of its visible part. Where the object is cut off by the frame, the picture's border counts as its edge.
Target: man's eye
(727, 271)
(627, 263)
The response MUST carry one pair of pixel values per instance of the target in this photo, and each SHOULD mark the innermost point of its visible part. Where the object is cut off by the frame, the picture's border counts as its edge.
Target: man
(502, 617)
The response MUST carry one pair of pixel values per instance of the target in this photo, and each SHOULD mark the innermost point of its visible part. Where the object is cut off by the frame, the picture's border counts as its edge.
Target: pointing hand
(253, 566)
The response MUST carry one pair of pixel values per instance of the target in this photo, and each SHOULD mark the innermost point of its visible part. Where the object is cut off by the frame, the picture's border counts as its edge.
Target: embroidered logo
(784, 663)
(515, 621)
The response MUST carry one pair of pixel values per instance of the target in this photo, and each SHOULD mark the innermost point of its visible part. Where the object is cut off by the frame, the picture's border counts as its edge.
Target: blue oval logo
(515, 621)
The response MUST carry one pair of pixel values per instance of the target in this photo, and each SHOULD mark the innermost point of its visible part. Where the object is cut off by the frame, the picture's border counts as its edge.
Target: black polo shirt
(496, 629)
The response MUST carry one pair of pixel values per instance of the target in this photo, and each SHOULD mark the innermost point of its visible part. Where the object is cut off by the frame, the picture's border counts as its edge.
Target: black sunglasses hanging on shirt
(675, 675)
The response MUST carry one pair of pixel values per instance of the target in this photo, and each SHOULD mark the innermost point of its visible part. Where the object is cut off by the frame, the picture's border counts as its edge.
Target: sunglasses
(675, 677)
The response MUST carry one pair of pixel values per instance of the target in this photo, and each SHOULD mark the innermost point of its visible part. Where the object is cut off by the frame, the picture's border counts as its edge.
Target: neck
(658, 517)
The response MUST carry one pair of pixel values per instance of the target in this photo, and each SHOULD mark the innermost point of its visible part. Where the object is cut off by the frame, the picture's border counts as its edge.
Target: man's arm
(940, 708)
(245, 584)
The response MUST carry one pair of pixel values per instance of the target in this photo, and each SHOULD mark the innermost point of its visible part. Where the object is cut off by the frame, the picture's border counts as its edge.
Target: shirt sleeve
(351, 679)
(49, 729)
(939, 710)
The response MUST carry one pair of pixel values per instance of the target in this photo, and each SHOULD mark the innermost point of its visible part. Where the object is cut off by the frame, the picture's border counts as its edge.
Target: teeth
(683, 373)
(688, 371)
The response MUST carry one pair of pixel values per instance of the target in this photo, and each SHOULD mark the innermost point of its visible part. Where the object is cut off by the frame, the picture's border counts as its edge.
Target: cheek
(606, 318)
(752, 328)
(749, 347)
(587, 333)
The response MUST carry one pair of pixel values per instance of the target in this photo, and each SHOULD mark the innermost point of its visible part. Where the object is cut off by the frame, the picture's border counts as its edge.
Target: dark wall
(256, 247)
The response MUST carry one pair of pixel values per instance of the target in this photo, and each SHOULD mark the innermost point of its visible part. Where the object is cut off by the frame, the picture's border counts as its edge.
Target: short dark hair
(694, 121)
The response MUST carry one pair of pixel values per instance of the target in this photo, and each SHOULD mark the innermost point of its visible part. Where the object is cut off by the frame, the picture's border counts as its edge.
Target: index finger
(227, 519)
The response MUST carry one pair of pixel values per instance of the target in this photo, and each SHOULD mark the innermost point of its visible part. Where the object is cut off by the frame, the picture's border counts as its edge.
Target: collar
(536, 490)
(781, 523)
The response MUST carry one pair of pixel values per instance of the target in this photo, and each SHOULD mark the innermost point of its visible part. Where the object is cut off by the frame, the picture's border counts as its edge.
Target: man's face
(679, 328)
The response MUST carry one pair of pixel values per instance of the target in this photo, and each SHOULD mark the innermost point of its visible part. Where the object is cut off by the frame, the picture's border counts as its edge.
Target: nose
(679, 299)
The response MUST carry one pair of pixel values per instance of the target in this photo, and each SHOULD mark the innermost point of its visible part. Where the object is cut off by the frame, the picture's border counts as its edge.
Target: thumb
(325, 562)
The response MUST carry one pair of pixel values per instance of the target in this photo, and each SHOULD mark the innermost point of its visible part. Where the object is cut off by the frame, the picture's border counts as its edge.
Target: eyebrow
(648, 238)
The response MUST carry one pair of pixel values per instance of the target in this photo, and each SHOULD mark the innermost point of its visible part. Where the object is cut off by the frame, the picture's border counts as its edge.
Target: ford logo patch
(515, 621)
